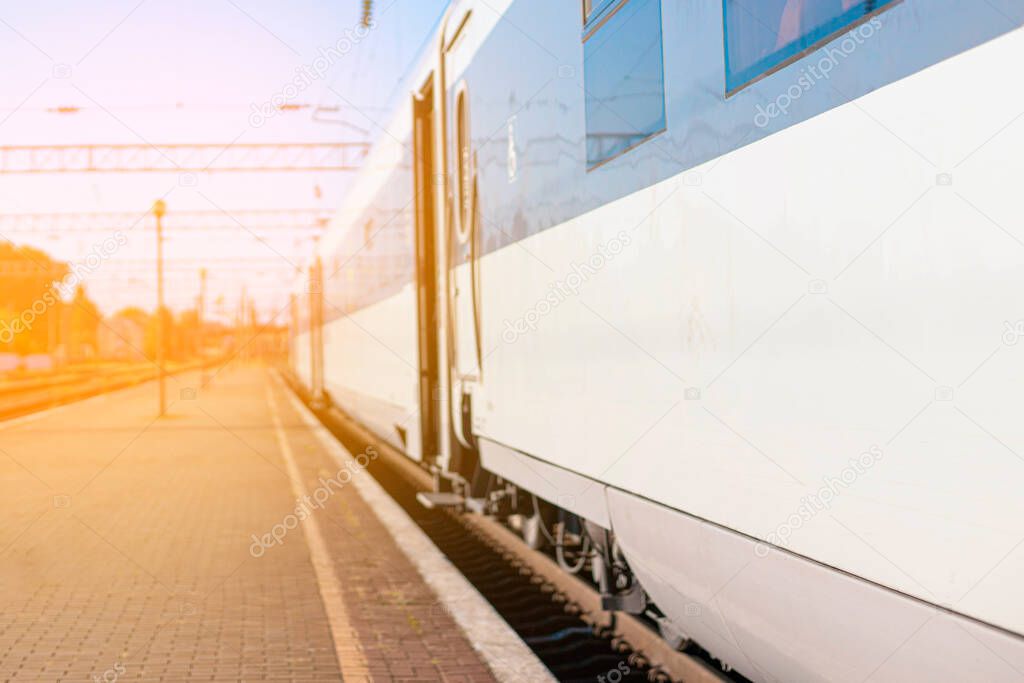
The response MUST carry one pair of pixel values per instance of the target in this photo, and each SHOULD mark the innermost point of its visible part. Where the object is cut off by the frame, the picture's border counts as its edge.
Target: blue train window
(763, 36)
(624, 76)
(595, 9)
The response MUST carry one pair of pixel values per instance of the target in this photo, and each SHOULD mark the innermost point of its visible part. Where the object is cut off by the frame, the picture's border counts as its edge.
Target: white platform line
(504, 652)
(351, 658)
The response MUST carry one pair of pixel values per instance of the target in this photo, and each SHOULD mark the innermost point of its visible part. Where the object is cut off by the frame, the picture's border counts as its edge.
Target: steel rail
(76, 389)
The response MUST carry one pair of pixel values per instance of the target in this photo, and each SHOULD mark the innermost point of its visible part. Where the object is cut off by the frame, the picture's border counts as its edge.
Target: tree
(29, 298)
(187, 335)
(85, 318)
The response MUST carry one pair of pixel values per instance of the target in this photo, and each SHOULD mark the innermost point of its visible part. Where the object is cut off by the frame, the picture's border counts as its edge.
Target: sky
(176, 71)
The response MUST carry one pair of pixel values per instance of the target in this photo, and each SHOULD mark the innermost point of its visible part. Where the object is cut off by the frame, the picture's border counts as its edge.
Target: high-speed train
(723, 300)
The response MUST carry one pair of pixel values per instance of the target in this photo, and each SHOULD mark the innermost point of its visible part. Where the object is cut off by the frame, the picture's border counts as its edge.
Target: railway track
(24, 397)
(558, 615)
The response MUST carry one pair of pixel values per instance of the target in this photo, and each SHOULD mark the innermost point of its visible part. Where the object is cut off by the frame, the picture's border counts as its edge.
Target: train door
(463, 275)
(425, 171)
(462, 253)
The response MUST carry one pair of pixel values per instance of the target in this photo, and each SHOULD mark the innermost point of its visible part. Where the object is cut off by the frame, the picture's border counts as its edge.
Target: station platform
(231, 540)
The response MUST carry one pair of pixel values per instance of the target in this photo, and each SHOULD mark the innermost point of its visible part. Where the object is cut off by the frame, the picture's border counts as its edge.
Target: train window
(624, 76)
(763, 36)
(368, 234)
(594, 9)
(464, 164)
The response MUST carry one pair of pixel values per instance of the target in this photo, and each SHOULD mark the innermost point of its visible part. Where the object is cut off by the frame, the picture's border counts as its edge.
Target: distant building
(121, 337)
(9, 362)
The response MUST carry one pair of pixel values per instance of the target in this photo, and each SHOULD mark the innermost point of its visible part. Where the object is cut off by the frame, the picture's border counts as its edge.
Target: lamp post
(159, 209)
(201, 327)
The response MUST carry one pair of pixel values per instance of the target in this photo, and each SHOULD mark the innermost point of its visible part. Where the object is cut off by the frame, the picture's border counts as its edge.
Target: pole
(293, 332)
(238, 329)
(316, 339)
(200, 323)
(65, 333)
(51, 334)
(243, 326)
(159, 209)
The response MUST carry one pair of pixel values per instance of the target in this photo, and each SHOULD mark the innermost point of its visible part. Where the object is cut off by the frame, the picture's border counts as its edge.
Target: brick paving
(127, 552)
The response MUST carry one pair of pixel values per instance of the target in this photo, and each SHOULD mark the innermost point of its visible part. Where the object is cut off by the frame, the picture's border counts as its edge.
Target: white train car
(734, 289)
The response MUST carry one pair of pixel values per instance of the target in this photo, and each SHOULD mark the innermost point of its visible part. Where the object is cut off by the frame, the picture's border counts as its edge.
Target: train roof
(392, 135)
